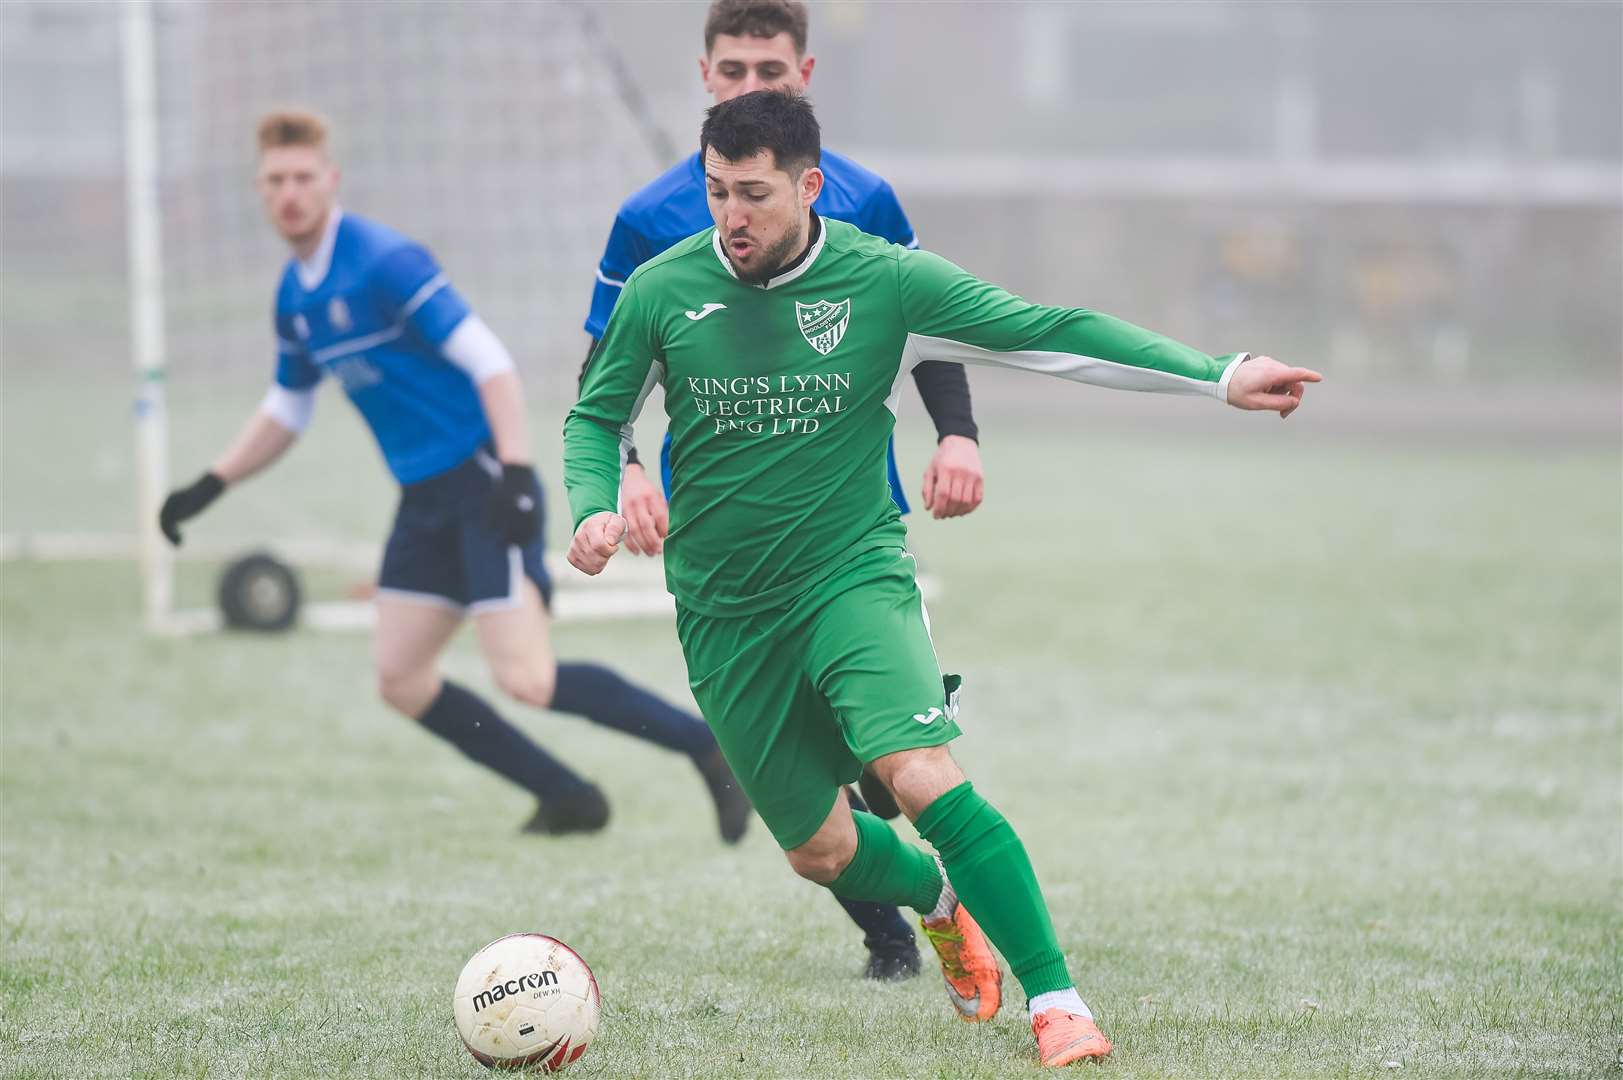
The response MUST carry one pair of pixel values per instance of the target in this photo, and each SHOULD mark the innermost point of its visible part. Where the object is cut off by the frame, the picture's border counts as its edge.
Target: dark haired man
(761, 45)
(807, 645)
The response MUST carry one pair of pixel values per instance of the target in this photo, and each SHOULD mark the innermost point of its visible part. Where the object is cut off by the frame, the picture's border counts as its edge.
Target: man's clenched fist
(596, 541)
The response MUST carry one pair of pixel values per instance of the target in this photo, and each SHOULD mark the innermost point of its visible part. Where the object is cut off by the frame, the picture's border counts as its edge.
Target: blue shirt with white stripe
(376, 319)
(674, 207)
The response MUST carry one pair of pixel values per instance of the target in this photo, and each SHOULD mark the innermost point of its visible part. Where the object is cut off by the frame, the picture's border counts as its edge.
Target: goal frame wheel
(259, 592)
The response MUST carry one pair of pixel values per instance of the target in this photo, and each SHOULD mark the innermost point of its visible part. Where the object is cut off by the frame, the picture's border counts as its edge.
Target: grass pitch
(1316, 747)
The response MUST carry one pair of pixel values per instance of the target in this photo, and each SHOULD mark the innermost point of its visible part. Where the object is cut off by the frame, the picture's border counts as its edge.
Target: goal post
(145, 240)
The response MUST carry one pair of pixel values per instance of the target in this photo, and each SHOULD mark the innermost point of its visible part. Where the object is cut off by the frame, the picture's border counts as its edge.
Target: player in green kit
(780, 340)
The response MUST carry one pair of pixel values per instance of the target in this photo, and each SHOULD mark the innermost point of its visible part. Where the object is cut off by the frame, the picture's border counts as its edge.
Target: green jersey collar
(798, 267)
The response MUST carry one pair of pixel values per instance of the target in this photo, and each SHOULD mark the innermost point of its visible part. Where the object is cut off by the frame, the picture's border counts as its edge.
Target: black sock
(464, 720)
(605, 698)
(880, 923)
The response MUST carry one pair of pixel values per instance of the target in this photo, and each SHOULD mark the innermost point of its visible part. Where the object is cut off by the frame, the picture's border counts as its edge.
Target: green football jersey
(781, 397)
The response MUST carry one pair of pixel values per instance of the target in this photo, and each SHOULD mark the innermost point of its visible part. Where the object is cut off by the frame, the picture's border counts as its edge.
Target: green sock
(887, 869)
(990, 872)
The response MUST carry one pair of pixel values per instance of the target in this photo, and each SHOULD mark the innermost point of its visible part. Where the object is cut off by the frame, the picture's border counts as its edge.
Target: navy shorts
(443, 549)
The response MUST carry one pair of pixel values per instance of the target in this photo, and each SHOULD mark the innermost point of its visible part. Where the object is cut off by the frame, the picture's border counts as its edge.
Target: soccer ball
(527, 999)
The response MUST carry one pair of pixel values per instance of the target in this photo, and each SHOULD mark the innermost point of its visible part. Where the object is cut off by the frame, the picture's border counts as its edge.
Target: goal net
(501, 135)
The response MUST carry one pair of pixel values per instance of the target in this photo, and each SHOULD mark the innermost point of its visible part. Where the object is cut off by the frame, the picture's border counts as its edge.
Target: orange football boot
(1064, 1037)
(974, 981)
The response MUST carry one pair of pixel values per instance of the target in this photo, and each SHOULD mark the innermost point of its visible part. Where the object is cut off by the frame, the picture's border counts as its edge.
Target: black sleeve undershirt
(945, 390)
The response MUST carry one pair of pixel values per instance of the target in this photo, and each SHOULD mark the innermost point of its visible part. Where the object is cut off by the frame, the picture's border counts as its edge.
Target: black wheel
(259, 592)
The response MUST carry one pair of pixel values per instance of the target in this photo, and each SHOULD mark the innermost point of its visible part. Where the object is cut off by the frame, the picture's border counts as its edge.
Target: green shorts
(801, 697)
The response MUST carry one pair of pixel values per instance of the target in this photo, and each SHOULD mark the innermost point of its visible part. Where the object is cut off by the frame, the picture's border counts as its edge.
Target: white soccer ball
(527, 999)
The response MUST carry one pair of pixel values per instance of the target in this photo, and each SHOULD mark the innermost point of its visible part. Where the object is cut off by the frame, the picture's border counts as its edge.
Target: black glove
(515, 505)
(188, 502)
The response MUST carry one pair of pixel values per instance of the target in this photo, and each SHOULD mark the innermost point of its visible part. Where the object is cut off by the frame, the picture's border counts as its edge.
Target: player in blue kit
(761, 45)
(439, 391)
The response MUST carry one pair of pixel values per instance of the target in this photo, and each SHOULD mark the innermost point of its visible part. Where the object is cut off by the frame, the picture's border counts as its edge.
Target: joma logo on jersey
(502, 990)
(823, 324)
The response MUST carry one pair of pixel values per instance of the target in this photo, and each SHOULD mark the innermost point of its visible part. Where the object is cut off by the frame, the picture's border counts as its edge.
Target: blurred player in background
(807, 644)
(441, 395)
(761, 45)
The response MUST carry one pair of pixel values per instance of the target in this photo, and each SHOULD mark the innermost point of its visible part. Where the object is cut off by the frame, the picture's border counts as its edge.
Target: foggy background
(1414, 192)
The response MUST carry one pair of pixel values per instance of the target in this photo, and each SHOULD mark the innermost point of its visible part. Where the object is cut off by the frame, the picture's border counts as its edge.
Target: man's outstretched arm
(275, 426)
(952, 315)
(263, 439)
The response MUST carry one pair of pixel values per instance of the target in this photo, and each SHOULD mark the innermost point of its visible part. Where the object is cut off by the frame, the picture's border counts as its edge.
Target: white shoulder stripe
(422, 295)
(611, 282)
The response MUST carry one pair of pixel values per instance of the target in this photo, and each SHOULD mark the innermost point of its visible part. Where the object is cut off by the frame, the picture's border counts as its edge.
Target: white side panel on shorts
(924, 612)
(515, 586)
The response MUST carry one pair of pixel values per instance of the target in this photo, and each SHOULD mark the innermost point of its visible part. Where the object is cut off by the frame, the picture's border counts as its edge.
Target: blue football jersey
(376, 320)
(674, 207)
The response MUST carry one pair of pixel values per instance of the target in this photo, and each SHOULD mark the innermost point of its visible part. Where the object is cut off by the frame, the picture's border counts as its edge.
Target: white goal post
(144, 227)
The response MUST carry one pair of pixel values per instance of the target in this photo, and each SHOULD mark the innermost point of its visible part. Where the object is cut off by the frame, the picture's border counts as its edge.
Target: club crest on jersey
(823, 324)
(338, 314)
